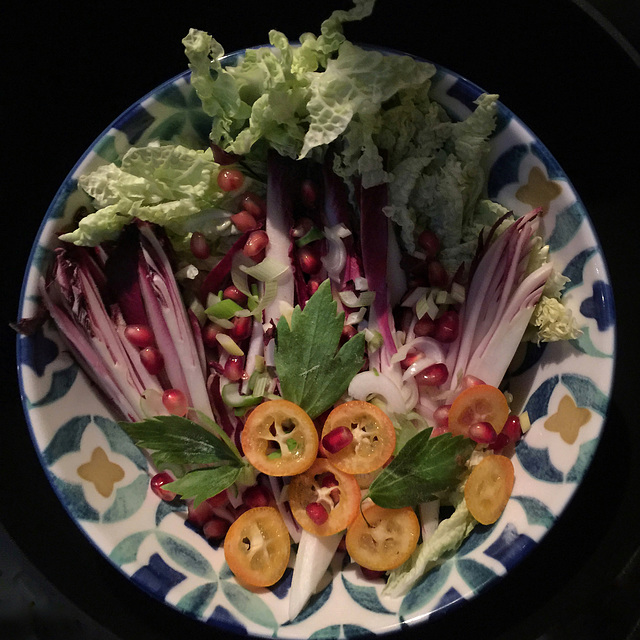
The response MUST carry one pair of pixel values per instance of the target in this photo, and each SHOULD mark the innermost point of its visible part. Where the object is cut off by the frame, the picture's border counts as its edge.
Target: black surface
(572, 77)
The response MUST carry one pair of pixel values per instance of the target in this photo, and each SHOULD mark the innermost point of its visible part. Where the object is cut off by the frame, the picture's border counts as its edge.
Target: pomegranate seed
(302, 227)
(429, 243)
(342, 545)
(199, 246)
(434, 375)
(254, 205)
(441, 415)
(209, 333)
(309, 193)
(317, 513)
(447, 326)
(219, 500)
(157, 483)
(152, 360)
(233, 368)
(337, 439)
(139, 335)
(175, 402)
(501, 441)
(201, 514)
(222, 157)
(256, 242)
(233, 293)
(329, 480)
(425, 326)
(309, 260)
(313, 286)
(512, 430)
(244, 221)
(216, 528)
(372, 574)
(438, 276)
(348, 331)
(256, 496)
(241, 328)
(470, 381)
(230, 179)
(410, 359)
(482, 433)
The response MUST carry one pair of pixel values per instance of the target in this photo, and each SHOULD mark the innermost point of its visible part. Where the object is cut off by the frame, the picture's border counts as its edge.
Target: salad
(307, 320)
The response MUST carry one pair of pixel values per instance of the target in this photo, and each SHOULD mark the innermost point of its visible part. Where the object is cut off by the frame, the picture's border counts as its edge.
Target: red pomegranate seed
(470, 381)
(219, 500)
(244, 221)
(233, 293)
(216, 528)
(201, 514)
(241, 328)
(410, 359)
(309, 193)
(425, 326)
(337, 439)
(372, 574)
(482, 433)
(139, 335)
(317, 513)
(152, 360)
(175, 402)
(254, 205)
(234, 368)
(441, 415)
(209, 333)
(447, 326)
(230, 179)
(429, 243)
(199, 246)
(437, 274)
(512, 428)
(329, 480)
(309, 259)
(348, 331)
(434, 375)
(256, 242)
(256, 496)
(158, 481)
(302, 227)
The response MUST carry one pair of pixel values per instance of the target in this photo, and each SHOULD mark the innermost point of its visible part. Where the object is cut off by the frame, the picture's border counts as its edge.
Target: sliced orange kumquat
(480, 403)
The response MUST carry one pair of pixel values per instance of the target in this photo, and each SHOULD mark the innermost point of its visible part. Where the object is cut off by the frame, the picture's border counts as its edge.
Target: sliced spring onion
(356, 317)
(233, 398)
(225, 309)
(311, 236)
(229, 345)
(268, 269)
(351, 299)
(427, 305)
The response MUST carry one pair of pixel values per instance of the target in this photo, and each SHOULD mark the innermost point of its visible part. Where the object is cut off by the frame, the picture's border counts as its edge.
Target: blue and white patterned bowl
(102, 479)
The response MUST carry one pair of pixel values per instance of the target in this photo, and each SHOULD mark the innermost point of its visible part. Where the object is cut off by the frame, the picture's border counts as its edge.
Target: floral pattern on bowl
(102, 478)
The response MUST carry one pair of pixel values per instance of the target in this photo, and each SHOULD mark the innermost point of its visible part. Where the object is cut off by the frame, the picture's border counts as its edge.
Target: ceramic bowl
(564, 387)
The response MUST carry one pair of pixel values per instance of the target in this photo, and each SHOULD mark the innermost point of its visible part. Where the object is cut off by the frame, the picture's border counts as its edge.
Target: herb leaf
(313, 372)
(423, 467)
(177, 440)
(201, 484)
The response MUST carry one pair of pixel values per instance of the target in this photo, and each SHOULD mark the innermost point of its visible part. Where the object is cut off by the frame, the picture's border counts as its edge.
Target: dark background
(564, 68)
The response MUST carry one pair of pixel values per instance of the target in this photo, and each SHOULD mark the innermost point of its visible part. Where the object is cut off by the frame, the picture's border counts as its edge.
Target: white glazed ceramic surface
(564, 387)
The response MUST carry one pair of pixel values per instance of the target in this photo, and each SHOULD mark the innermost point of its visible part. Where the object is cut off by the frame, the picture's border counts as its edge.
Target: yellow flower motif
(568, 419)
(539, 191)
(101, 472)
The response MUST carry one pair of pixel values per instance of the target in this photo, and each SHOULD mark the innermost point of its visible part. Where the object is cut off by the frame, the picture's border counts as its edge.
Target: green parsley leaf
(177, 440)
(313, 372)
(201, 484)
(424, 466)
